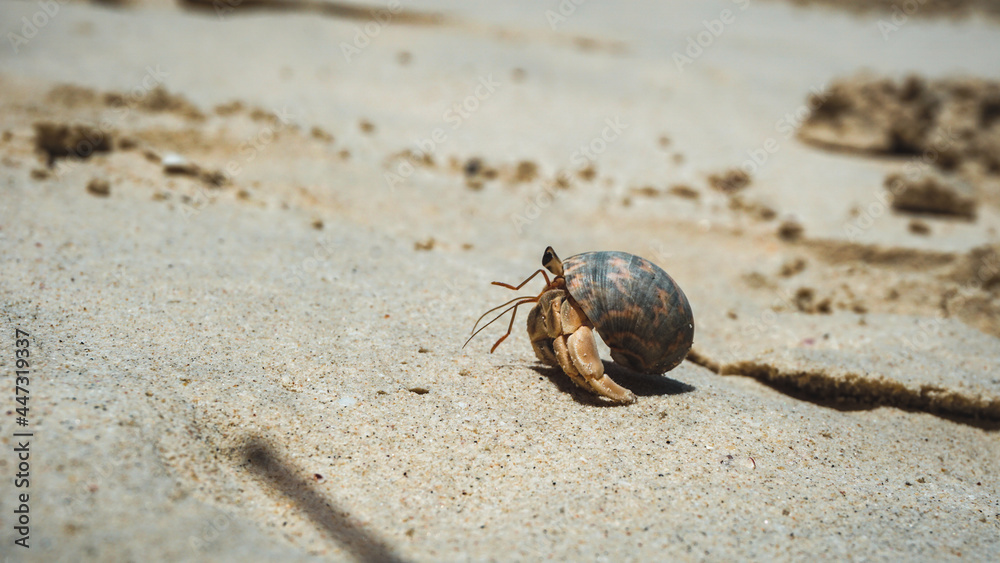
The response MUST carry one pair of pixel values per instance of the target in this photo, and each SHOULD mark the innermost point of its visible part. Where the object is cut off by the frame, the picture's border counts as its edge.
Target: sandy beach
(243, 244)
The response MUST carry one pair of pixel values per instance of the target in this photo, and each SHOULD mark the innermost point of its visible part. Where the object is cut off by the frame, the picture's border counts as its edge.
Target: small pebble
(790, 230)
(919, 227)
(99, 187)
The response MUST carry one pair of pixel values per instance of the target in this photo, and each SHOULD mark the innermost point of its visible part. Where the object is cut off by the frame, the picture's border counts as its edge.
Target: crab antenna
(522, 301)
(498, 307)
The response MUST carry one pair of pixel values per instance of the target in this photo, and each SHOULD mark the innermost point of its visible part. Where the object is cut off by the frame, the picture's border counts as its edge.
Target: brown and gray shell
(638, 310)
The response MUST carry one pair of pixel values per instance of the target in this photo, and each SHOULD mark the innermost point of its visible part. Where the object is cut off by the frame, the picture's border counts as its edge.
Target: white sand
(216, 378)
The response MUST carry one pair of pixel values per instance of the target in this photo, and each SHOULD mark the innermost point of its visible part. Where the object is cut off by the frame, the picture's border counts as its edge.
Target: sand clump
(949, 122)
(730, 181)
(902, 11)
(791, 230)
(99, 187)
(156, 100)
(526, 171)
(932, 192)
(684, 191)
(60, 140)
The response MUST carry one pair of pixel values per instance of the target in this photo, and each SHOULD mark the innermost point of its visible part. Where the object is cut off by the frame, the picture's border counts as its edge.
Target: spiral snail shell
(636, 308)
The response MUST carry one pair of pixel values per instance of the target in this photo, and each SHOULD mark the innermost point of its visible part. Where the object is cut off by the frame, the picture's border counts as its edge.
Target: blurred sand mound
(953, 122)
(920, 8)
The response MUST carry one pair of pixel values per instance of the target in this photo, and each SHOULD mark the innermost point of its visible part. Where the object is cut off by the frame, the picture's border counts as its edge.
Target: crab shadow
(641, 384)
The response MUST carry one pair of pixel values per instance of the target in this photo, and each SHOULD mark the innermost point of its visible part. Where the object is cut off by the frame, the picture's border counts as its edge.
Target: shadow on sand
(279, 475)
(640, 384)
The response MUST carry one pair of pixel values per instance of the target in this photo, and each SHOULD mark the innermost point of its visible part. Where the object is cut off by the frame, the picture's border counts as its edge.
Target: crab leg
(541, 342)
(531, 277)
(562, 353)
(582, 348)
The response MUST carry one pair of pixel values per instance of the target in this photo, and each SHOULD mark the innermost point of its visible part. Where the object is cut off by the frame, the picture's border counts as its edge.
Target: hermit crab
(636, 308)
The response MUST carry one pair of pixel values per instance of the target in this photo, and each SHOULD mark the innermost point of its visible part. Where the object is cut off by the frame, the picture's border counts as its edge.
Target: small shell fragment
(174, 163)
